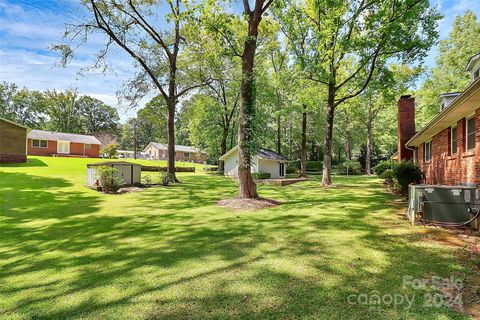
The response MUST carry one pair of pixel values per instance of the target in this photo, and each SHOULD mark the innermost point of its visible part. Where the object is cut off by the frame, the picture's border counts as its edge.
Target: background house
(448, 148)
(47, 143)
(158, 151)
(13, 141)
(265, 160)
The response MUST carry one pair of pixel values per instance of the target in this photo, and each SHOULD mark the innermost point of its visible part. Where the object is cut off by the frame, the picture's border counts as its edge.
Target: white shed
(129, 172)
(265, 160)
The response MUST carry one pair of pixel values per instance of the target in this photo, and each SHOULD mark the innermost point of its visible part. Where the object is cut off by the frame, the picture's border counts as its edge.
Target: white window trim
(467, 133)
(451, 140)
(425, 150)
(58, 144)
(40, 144)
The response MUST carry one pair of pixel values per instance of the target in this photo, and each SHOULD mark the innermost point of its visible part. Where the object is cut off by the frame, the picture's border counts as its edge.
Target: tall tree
(63, 111)
(96, 116)
(151, 34)
(449, 74)
(340, 44)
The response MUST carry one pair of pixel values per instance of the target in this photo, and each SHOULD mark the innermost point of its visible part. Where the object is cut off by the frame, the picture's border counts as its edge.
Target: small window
(427, 149)
(453, 139)
(36, 143)
(186, 154)
(88, 146)
(471, 133)
(476, 74)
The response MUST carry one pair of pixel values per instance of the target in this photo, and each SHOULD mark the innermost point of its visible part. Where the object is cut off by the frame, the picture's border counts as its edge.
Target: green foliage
(382, 166)
(389, 176)
(261, 175)
(350, 167)
(110, 151)
(147, 179)
(293, 167)
(406, 172)
(167, 178)
(314, 166)
(109, 179)
(449, 74)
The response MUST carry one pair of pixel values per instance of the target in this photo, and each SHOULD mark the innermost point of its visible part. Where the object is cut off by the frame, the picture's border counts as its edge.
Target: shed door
(63, 147)
(282, 169)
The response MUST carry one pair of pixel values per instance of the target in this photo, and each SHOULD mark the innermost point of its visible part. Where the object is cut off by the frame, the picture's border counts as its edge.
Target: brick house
(447, 149)
(13, 142)
(49, 143)
(158, 151)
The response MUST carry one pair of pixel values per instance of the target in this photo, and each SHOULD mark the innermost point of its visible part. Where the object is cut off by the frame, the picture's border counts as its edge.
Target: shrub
(382, 166)
(261, 175)
(406, 172)
(293, 167)
(389, 177)
(353, 167)
(314, 165)
(109, 179)
(147, 179)
(110, 150)
(167, 178)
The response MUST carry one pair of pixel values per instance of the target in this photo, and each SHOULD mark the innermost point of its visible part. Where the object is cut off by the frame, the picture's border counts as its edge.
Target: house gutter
(471, 89)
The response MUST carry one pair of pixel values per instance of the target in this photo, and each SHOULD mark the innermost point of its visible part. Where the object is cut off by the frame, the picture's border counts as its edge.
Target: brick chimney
(406, 125)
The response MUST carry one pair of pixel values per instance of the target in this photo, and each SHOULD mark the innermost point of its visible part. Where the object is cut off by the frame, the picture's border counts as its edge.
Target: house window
(36, 143)
(63, 147)
(453, 139)
(471, 133)
(427, 149)
(186, 155)
(88, 146)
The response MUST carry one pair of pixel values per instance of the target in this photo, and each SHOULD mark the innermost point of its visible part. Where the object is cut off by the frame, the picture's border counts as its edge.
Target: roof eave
(421, 135)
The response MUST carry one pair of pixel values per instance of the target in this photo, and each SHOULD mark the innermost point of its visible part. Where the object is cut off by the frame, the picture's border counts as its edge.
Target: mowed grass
(170, 253)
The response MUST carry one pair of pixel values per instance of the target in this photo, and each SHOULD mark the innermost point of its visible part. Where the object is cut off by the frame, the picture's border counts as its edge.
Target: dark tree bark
(327, 156)
(303, 156)
(368, 156)
(248, 188)
(279, 135)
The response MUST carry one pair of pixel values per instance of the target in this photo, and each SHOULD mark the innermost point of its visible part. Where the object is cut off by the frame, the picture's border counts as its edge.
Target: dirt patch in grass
(240, 204)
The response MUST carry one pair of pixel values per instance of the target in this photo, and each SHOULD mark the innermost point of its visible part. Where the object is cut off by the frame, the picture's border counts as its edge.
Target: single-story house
(447, 149)
(265, 160)
(49, 143)
(159, 151)
(13, 142)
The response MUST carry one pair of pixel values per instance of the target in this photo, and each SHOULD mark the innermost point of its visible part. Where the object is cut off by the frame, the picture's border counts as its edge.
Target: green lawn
(169, 252)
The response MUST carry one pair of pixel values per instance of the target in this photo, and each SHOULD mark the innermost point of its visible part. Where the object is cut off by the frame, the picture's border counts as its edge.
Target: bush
(382, 166)
(293, 167)
(167, 178)
(389, 177)
(261, 175)
(147, 179)
(353, 167)
(406, 172)
(110, 151)
(109, 179)
(314, 165)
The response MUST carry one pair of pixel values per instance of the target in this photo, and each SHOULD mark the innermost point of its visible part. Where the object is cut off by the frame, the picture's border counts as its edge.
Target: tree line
(310, 79)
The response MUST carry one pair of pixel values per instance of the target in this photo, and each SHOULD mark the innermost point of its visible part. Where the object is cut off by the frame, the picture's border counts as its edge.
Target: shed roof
(14, 123)
(61, 136)
(262, 153)
(108, 163)
(178, 147)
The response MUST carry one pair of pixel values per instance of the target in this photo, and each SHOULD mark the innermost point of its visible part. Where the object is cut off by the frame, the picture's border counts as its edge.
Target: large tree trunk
(327, 156)
(368, 157)
(171, 137)
(303, 156)
(248, 188)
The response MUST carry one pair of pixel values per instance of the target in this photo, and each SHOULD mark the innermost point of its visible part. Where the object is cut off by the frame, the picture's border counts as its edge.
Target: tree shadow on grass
(172, 260)
(31, 162)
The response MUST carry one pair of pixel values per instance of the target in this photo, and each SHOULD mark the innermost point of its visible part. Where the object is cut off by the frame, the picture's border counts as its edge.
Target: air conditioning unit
(444, 205)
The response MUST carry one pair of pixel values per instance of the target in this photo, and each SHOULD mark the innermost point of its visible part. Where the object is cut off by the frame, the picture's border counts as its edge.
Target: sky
(29, 28)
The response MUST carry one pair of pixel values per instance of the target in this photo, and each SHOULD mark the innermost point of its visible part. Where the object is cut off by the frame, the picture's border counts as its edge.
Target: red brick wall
(76, 149)
(51, 149)
(406, 126)
(450, 169)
